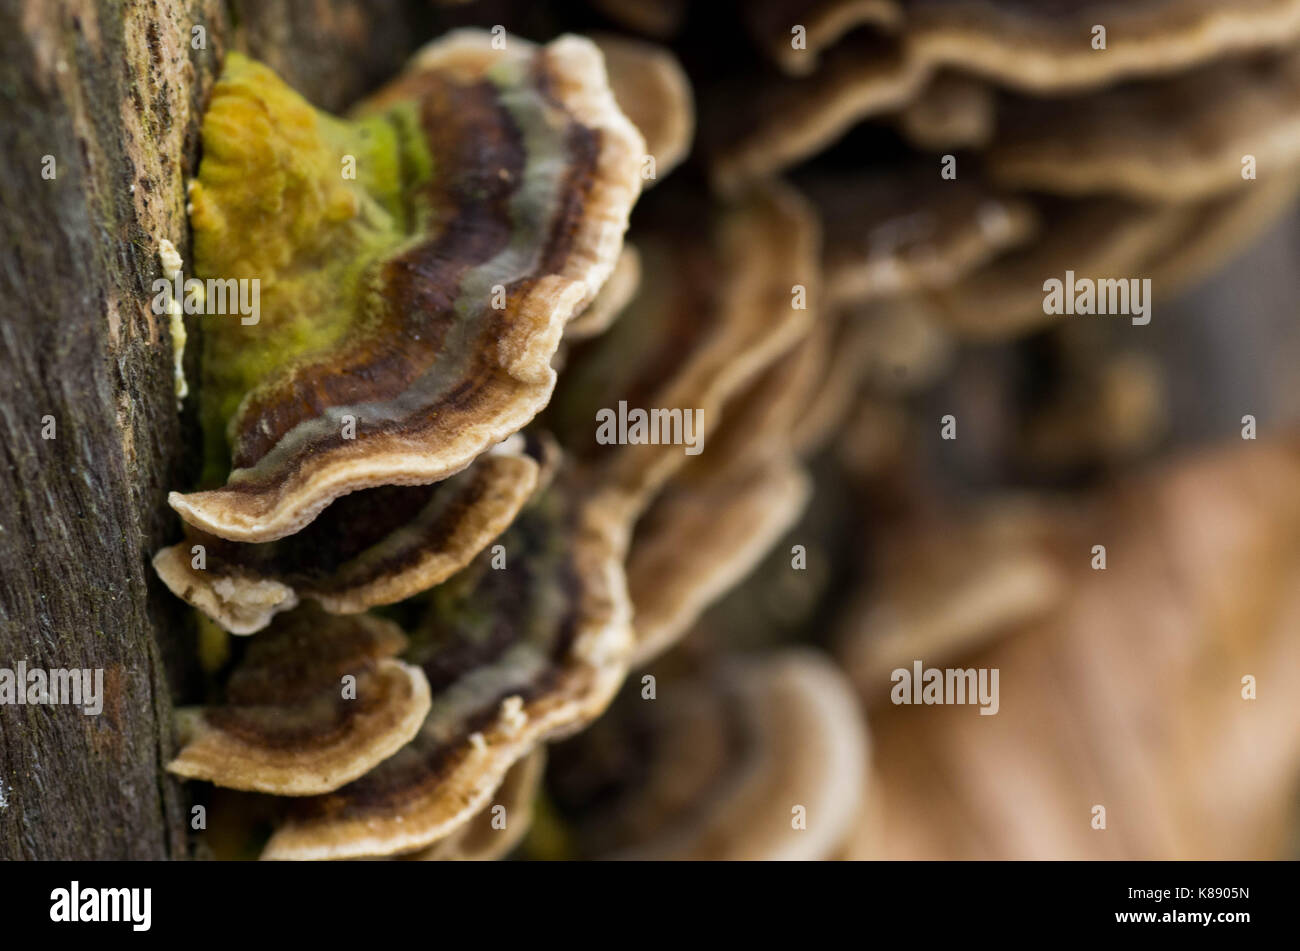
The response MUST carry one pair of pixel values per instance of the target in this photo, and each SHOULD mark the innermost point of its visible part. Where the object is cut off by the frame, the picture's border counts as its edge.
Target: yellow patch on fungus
(302, 203)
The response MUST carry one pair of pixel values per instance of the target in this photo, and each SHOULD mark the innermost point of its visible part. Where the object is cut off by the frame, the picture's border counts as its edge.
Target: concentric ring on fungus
(408, 315)
(287, 726)
(513, 656)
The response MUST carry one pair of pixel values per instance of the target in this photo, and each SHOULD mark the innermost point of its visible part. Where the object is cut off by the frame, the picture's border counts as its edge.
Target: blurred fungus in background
(906, 460)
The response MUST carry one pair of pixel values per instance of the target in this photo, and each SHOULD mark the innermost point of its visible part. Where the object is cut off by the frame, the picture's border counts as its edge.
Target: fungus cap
(718, 767)
(410, 312)
(716, 306)
(514, 654)
(289, 725)
(373, 547)
(1175, 139)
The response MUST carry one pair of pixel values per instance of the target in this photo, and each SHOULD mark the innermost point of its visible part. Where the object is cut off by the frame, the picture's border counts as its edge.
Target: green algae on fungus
(513, 657)
(417, 265)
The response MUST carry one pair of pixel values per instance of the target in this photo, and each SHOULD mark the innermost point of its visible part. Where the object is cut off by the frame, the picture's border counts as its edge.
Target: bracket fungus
(380, 355)
(756, 758)
(726, 508)
(1090, 239)
(375, 546)
(288, 723)
(474, 456)
(819, 25)
(513, 656)
(716, 306)
(499, 827)
(1175, 139)
(612, 300)
(896, 233)
(702, 536)
(942, 586)
(1036, 48)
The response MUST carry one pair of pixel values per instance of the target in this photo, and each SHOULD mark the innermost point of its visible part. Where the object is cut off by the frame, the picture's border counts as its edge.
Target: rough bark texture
(113, 92)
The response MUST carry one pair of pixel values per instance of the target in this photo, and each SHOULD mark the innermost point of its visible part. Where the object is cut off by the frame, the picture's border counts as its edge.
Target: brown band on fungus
(611, 301)
(372, 547)
(717, 305)
(1178, 139)
(529, 171)
(654, 92)
(719, 767)
(897, 233)
(514, 654)
(291, 723)
(501, 825)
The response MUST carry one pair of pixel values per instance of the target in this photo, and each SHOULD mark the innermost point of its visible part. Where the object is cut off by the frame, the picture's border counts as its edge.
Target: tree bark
(100, 104)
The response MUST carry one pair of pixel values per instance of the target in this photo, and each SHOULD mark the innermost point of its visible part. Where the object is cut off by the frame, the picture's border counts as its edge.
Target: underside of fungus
(410, 309)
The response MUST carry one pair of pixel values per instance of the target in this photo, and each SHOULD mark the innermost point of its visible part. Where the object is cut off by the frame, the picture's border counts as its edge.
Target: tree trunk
(100, 103)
